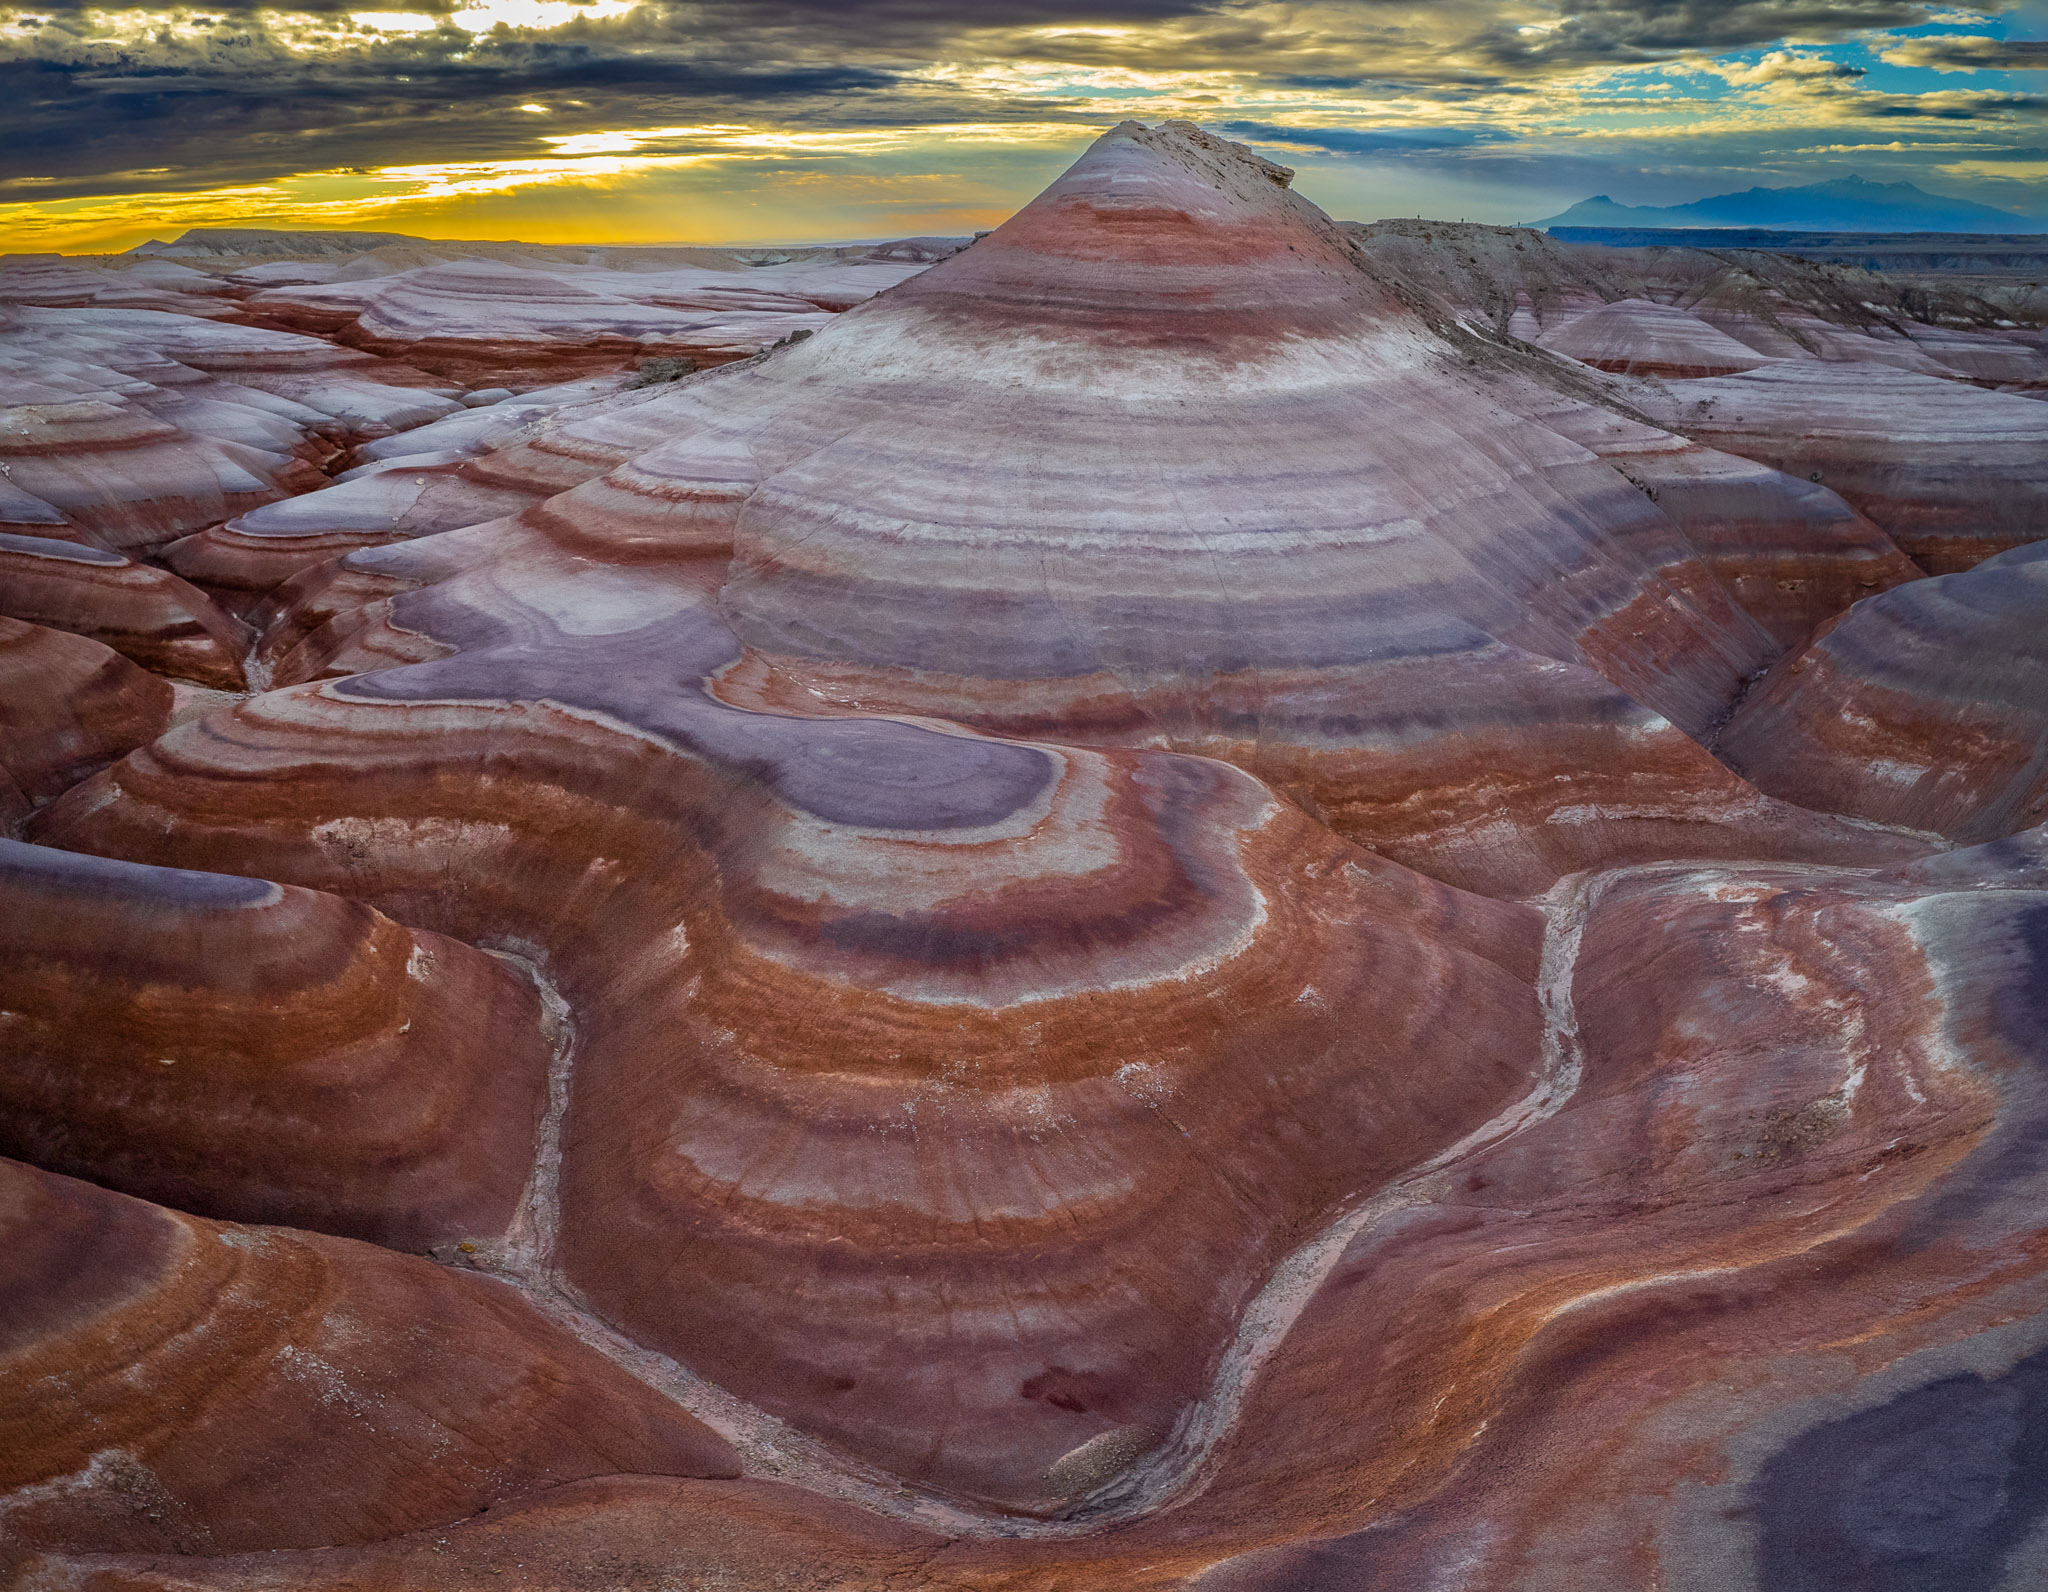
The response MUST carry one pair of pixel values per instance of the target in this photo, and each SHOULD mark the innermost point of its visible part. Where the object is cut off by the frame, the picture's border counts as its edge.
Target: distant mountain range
(1846, 204)
(203, 242)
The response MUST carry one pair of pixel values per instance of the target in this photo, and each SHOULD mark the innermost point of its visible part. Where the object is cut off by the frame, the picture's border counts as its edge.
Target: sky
(697, 121)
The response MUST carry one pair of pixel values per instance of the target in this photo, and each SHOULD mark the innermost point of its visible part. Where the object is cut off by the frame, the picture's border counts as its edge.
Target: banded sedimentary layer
(1953, 474)
(1162, 913)
(959, 915)
(1067, 554)
(1782, 305)
(1806, 1102)
(525, 325)
(202, 1387)
(126, 429)
(1640, 337)
(68, 706)
(149, 616)
(1927, 707)
(242, 1049)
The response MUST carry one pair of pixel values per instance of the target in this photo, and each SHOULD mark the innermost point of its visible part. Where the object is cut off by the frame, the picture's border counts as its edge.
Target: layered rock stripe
(1161, 912)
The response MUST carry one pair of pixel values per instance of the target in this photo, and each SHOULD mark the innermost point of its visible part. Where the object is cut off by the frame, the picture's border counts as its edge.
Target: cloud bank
(319, 110)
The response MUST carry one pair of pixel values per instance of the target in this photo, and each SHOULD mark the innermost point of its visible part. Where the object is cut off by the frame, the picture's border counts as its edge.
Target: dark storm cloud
(1961, 107)
(1650, 30)
(170, 129)
(1376, 44)
(1364, 141)
(254, 94)
(1954, 54)
(232, 104)
(899, 21)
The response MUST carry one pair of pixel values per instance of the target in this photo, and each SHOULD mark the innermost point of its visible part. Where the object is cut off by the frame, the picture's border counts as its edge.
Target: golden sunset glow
(643, 120)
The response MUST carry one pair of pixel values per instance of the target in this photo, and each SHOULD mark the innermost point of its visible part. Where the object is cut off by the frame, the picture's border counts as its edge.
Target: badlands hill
(1191, 899)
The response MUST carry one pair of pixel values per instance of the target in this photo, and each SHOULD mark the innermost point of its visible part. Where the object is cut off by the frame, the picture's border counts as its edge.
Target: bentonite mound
(147, 615)
(1954, 474)
(1927, 706)
(529, 322)
(68, 707)
(1166, 385)
(1158, 914)
(1639, 337)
